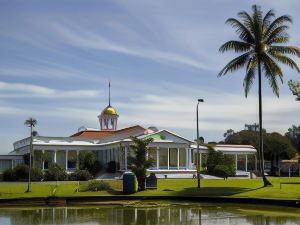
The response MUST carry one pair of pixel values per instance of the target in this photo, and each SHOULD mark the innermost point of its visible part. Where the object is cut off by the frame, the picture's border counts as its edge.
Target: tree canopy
(294, 135)
(139, 161)
(295, 88)
(276, 146)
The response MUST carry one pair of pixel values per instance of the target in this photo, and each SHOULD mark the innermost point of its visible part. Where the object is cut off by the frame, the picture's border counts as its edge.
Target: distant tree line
(276, 146)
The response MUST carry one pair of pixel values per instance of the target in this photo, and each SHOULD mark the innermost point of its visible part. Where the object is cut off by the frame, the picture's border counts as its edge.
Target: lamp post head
(200, 100)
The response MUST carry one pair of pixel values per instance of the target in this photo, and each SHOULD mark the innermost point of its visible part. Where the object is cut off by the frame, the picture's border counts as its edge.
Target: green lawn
(166, 187)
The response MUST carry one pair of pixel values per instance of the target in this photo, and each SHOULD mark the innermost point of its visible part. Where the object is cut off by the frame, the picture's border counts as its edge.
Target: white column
(157, 156)
(43, 161)
(187, 165)
(168, 155)
(235, 161)
(54, 156)
(66, 153)
(246, 166)
(126, 153)
(178, 158)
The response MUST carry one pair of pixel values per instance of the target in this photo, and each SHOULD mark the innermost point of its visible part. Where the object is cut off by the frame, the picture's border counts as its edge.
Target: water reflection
(116, 215)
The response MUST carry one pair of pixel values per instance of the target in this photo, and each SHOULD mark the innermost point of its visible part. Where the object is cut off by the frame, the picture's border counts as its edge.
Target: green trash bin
(130, 184)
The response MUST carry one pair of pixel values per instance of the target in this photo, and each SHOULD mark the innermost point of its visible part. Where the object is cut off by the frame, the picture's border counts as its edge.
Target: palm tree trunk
(261, 150)
(30, 162)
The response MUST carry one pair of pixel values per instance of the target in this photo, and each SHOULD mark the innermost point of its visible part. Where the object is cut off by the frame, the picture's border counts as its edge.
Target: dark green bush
(88, 161)
(97, 185)
(82, 175)
(55, 172)
(22, 172)
(37, 174)
(222, 171)
(9, 175)
(215, 159)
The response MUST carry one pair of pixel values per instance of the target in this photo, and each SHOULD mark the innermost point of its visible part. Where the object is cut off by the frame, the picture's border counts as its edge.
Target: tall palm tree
(261, 43)
(30, 122)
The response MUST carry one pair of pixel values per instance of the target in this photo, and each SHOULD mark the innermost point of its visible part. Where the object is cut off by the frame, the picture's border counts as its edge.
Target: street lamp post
(198, 143)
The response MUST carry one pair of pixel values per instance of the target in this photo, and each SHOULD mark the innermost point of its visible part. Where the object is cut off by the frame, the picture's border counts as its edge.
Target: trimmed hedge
(97, 185)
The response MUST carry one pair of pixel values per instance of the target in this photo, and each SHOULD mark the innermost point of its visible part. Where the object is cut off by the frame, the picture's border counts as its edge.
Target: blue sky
(56, 58)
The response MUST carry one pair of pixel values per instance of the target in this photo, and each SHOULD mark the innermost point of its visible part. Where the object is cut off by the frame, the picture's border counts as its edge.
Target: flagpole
(109, 93)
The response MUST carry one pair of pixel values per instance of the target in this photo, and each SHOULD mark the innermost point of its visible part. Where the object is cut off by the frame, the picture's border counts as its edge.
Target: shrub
(22, 172)
(88, 161)
(95, 168)
(82, 175)
(36, 174)
(55, 172)
(97, 185)
(216, 159)
(9, 175)
(230, 162)
(222, 171)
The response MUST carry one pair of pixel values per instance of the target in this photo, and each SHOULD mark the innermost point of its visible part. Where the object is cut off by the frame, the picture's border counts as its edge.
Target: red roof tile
(92, 134)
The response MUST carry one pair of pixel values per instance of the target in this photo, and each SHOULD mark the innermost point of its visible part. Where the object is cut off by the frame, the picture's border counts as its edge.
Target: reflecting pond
(147, 213)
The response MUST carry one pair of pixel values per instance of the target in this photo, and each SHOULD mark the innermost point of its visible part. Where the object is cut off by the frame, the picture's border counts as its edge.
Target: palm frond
(267, 18)
(247, 20)
(235, 64)
(237, 46)
(250, 75)
(279, 40)
(257, 21)
(278, 22)
(272, 72)
(284, 59)
(293, 50)
(278, 32)
(30, 122)
(243, 32)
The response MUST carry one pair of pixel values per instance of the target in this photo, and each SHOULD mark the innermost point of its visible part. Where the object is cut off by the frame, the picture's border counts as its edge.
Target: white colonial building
(171, 152)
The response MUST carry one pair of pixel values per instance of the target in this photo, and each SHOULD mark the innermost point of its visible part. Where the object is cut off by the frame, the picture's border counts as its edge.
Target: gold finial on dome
(109, 110)
(108, 118)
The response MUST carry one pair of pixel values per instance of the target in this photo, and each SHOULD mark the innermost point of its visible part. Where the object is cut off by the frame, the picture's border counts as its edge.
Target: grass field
(166, 187)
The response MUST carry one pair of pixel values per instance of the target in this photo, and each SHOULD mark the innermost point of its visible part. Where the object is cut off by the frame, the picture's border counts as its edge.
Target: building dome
(109, 110)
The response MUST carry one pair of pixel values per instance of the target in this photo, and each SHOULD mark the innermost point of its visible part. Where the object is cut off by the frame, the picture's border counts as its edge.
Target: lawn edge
(85, 200)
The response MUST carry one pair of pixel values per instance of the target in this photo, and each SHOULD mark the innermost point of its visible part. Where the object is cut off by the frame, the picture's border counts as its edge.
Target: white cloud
(22, 90)
(86, 39)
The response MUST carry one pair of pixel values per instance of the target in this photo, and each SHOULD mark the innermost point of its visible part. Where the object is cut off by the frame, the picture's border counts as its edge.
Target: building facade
(170, 152)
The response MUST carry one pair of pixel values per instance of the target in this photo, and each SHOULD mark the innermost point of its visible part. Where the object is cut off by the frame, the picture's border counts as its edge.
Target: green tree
(30, 122)
(277, 147)
(55, 173)
(295, 88)
(262, 44)
(139, 161)
(88, 161)
(294, 135)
